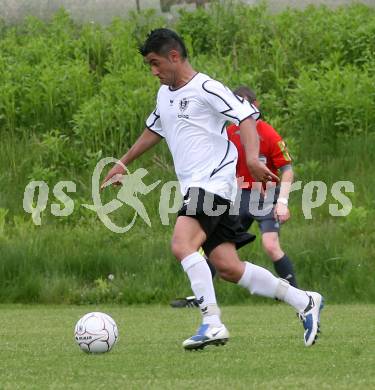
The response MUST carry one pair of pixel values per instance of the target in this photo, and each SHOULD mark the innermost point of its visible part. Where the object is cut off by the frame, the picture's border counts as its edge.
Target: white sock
(199, 273)
(261, 282)
(296, 298)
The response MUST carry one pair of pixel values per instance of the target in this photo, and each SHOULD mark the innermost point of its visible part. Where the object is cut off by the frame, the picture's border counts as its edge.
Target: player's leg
(191, 301)
(227, 263)
(270, 230)
(246, 220)
(261, 282)
(281, 262)
(187, 238)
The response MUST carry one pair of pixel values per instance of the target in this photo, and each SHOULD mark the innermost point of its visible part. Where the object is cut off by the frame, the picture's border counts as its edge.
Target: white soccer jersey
(192, 120)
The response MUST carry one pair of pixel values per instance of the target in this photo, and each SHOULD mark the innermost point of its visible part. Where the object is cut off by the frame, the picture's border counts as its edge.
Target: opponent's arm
(145, 142)
(250, 142)
(282, 213)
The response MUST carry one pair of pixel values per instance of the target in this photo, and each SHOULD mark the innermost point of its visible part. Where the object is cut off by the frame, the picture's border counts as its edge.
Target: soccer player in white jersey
(190, 114)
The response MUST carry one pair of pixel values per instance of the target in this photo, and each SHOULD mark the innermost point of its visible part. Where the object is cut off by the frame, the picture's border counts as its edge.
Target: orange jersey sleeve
(272, 146)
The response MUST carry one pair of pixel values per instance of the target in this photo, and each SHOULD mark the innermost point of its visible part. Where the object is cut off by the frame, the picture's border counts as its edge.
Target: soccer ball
(96, 332)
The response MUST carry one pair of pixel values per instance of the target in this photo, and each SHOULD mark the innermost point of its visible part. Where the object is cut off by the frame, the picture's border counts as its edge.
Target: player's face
(163, 67)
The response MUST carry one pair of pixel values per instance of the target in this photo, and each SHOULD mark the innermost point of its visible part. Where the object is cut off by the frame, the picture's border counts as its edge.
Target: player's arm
(282, 213)
(250, 142)
(280, 158)
(145, 142)
(239, 111)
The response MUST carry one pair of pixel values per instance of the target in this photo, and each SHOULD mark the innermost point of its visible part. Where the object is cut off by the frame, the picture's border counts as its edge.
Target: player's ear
(174, 56)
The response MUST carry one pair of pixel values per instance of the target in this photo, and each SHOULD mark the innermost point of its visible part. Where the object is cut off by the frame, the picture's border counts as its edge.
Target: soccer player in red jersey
(274, 153)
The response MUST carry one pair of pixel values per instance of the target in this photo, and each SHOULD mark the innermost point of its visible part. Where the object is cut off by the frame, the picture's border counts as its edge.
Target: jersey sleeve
(279, 152)
(227, 104)
(153, 123)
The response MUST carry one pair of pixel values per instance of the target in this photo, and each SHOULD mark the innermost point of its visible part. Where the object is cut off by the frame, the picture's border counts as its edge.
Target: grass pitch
(265, 350)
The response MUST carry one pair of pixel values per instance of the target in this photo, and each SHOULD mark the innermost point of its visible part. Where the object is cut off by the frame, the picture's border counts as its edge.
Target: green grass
(265, 351)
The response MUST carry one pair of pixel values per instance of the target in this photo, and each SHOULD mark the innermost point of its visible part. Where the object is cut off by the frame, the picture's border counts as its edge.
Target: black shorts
(212, 213)
(251, 211)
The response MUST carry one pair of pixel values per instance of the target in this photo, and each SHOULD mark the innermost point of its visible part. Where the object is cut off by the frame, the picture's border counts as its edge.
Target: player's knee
(180, 248)
(230, 274)
(176, 248)
(226, 275)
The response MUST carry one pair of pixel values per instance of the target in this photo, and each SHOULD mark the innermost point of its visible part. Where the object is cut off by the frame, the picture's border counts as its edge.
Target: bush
(331, 102)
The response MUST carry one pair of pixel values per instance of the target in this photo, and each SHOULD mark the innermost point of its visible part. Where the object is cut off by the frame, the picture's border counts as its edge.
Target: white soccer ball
(96, 332)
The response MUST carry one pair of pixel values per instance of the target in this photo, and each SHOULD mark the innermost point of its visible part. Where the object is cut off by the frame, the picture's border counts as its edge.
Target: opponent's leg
(281, 262)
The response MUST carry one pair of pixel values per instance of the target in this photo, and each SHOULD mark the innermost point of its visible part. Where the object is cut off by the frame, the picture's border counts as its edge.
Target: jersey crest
(183, 106)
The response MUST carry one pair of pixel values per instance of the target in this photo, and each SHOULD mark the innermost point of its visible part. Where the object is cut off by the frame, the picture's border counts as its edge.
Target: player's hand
(261, 173)
(281, 212)
(114, 176)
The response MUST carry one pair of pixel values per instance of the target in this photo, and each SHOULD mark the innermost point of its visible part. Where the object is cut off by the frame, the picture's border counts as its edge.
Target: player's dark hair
(161, 41)
(246, 93)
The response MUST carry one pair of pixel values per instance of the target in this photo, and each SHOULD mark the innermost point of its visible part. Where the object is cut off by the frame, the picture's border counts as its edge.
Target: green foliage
(3, 213)
(334, 103)
(71, 94)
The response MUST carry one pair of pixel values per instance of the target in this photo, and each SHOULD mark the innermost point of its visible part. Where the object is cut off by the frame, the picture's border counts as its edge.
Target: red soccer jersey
(272, 150)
